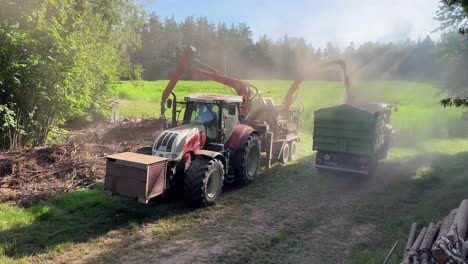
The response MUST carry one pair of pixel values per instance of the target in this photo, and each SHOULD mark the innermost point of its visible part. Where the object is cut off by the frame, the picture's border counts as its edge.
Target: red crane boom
(242, 88)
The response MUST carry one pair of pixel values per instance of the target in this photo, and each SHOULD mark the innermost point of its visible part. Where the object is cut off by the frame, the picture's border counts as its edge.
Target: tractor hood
(172, 142)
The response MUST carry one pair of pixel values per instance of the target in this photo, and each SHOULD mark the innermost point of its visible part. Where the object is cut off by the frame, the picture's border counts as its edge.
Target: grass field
(420, 116)
(292, 215)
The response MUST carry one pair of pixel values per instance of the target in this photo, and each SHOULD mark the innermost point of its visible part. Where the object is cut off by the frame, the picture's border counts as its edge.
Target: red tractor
(221, 138)
(210, 147)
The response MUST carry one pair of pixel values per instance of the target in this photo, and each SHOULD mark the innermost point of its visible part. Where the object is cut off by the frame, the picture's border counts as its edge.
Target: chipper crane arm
(189, 65)
(291, 96)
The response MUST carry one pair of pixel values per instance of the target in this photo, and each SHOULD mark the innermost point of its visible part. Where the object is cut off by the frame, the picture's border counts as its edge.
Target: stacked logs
(441, 242)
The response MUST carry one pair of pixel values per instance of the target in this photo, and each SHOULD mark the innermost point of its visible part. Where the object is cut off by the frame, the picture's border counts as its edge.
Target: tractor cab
(219, 113)
(209, 120)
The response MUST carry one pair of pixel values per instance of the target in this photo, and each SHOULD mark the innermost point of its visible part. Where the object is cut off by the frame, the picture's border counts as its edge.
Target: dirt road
(292, 215)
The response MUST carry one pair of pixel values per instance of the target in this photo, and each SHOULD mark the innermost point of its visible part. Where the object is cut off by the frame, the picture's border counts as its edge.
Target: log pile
(442, 242)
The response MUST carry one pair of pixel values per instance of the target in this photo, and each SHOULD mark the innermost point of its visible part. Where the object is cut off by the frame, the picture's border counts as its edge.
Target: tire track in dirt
(236, 233)
(336, 235)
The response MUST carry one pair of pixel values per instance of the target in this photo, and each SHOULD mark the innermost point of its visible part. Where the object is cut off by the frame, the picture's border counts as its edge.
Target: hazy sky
(318, 21)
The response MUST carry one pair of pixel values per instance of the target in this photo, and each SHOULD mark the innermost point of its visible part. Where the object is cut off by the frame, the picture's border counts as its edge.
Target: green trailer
(352, 138)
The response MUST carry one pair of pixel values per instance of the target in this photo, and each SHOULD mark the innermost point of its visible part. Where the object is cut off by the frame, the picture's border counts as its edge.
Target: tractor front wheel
(203, 182)
(247, 161)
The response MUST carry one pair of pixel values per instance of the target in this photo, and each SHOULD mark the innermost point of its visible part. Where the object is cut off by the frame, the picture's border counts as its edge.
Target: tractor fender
(211, 154)
(239, 136)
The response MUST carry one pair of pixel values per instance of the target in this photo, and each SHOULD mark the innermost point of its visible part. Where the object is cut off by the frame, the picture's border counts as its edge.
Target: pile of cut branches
(28, 176)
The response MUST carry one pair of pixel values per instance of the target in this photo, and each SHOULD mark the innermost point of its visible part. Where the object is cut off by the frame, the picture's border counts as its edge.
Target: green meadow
(419, 117)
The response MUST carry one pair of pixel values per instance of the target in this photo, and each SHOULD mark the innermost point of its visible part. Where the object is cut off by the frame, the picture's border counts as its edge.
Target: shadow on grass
(82, 215)
(74, 217)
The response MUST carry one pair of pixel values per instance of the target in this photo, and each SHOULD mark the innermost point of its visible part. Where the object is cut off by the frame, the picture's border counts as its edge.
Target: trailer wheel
(292, 150)
(285, 154)
(247, 161)
(203, 182)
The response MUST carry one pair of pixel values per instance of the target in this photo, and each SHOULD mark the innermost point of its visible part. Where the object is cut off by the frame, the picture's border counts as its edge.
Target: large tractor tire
(247, 161)
(203, 182)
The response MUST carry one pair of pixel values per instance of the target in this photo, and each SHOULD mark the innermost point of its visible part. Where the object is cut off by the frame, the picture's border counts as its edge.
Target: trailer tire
(292, 150)
(285, 154)
(247, 161)
(203, 182)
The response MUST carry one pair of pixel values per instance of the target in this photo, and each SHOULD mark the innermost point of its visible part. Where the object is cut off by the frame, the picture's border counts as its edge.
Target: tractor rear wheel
(203, 182)
(247, 161)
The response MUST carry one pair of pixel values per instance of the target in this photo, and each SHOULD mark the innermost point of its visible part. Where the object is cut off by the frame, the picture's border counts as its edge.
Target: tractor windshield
(206, 114)
(203, 113)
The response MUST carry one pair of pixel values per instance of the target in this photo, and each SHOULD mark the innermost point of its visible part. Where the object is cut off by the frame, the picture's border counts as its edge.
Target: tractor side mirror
(169, 103)
(232, 110)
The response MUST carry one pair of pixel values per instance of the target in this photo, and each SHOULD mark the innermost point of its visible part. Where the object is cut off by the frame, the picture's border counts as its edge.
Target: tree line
(233, 49)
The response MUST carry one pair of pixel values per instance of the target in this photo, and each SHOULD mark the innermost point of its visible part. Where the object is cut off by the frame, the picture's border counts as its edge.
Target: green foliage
(457, 102)
(453, 15)
(454, 81)
(59, 61)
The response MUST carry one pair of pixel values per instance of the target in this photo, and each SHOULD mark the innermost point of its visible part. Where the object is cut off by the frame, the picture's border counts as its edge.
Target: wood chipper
(352, 137)
(221, 138)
